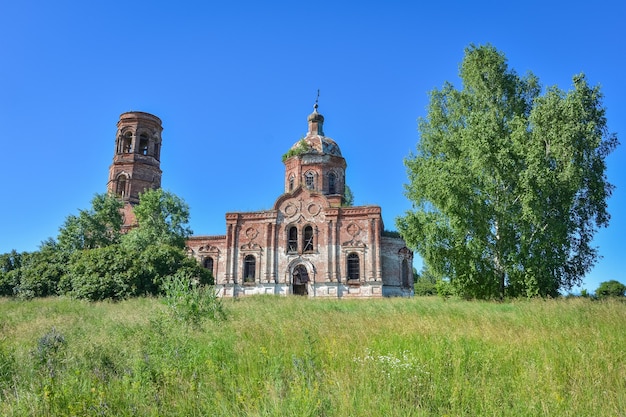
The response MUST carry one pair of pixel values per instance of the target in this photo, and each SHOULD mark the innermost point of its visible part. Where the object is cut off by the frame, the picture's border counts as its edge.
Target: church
(310, 243)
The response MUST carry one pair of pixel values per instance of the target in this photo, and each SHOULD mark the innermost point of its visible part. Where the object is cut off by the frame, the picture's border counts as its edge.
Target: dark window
(405, 273)
(309, 180)
(128, 142)
(249, 268)
(143, 144)
(353, 267)
(291, 183)
(308, 239)
(120, 188)
(208, 264)
(292, 244)
(332, 180)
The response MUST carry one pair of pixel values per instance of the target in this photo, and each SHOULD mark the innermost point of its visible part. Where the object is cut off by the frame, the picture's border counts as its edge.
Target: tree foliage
(118, 271)
(93, 260)
(611, 288)
(162, 218)
(97, 227)
(41, 271)
(10, 265)
(508, 185)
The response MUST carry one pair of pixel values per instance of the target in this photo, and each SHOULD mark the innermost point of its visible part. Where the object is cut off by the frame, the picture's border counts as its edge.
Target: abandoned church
(308, 244)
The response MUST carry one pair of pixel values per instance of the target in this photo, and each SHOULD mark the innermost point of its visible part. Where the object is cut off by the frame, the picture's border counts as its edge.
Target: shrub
(47, 354)
(191, 302)
(444, 288)
(425, 288)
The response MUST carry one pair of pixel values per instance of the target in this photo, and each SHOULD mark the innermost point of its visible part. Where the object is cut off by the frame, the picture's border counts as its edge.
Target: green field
(287, 356)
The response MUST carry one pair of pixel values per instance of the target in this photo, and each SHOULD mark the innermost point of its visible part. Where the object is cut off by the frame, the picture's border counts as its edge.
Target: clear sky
(233, 82)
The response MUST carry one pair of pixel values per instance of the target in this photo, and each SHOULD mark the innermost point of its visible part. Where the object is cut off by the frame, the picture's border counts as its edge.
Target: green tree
(97, 227)
(120, 271)
(42, 270)
(162, 218)
(348, 197)
(508, 186)
(10, 264)
(611, 288)
(425, 282)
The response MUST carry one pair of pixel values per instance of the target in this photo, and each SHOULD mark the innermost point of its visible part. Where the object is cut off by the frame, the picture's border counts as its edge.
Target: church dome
(316, 144)
(315, 141)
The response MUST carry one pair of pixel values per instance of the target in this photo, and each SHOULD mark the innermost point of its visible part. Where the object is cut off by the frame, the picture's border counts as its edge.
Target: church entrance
(300, 280)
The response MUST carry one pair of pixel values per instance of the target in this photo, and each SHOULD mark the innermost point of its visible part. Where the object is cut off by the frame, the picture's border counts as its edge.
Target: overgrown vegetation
(302, 147)
(286, 356)
(91, 259)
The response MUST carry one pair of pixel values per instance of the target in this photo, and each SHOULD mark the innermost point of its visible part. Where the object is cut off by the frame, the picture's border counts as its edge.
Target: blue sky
(234, 82)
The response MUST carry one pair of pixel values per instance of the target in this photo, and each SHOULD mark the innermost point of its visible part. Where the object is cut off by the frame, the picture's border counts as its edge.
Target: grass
(287, 356)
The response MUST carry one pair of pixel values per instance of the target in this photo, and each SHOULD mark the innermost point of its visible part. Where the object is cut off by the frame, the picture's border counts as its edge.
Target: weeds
(191, 302)
(288, 356)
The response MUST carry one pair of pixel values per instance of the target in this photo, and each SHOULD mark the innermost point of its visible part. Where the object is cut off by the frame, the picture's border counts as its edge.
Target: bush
(190, 301)
(118, 271)
(444, 288)
(41, 272)
(102, 273)
(425, 288)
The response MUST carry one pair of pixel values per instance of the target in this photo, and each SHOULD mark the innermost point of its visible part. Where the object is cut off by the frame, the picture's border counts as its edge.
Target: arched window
(292, 180)
(309, 180)
(208, 264)
(249, 268)
(143, 144)
(307, 245)
(353, 267)
(292, 244)
(405, 274)
(120, 187)
(128, 142)
(332, 183)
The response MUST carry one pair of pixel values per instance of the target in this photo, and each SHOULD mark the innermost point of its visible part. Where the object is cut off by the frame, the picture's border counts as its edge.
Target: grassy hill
(296, 357)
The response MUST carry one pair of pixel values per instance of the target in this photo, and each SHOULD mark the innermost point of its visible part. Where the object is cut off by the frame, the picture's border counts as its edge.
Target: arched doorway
(300, 280)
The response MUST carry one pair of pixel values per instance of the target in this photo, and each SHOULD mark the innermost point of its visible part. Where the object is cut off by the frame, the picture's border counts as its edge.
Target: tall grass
(287, 356)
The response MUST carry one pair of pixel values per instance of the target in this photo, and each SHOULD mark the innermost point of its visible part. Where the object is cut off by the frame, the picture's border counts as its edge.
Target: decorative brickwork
(136, 160)
(308, 244)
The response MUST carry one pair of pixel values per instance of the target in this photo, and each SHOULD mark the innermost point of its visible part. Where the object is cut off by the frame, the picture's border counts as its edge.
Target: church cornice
(360, 210)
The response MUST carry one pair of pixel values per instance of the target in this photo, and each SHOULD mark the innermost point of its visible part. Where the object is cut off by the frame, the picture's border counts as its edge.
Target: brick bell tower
(136, 161)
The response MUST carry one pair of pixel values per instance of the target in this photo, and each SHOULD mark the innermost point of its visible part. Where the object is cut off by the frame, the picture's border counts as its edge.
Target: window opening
(291, 183)
(208, 264)
(120, 189)
(249, 266)
(143, 144)
(353, 267)
(309, 179)
(128, 141)
(332, 179)
(405, 273)
(292, 244)
(308, 239)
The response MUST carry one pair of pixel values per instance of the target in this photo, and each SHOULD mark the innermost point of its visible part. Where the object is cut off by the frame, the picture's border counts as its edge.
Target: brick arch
(291, 267)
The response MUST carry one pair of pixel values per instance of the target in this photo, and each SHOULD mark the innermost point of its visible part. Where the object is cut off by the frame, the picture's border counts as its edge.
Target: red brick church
(308, 244)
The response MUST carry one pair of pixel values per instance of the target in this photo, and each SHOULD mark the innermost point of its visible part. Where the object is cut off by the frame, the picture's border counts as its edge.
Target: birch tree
(508, 185)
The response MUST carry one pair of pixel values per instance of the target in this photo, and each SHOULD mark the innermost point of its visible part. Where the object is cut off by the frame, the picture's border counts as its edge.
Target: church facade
(310, 243)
